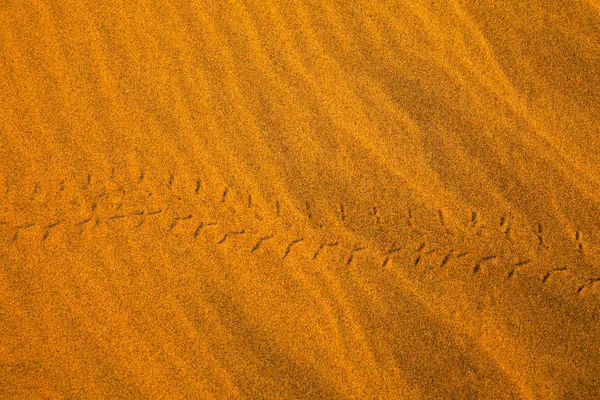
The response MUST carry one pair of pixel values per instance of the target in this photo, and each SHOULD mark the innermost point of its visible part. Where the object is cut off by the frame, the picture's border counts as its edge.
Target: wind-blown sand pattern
(300, 199)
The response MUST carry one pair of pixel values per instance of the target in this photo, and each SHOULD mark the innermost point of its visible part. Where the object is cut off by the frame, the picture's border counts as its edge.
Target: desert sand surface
(300, 199)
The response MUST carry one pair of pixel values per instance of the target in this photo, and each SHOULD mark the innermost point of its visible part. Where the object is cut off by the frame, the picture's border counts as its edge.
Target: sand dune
(300, 199)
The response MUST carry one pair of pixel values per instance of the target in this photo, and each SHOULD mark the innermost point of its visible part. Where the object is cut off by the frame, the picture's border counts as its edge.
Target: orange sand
(300, 199)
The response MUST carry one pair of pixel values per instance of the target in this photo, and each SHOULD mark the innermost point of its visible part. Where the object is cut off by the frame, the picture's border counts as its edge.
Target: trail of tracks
(502, 252)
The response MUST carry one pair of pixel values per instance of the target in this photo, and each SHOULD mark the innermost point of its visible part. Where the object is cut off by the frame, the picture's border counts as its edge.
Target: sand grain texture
(300, 199)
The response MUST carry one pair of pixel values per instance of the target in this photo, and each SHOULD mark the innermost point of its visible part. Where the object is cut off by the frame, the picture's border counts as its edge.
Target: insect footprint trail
(94, 192)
